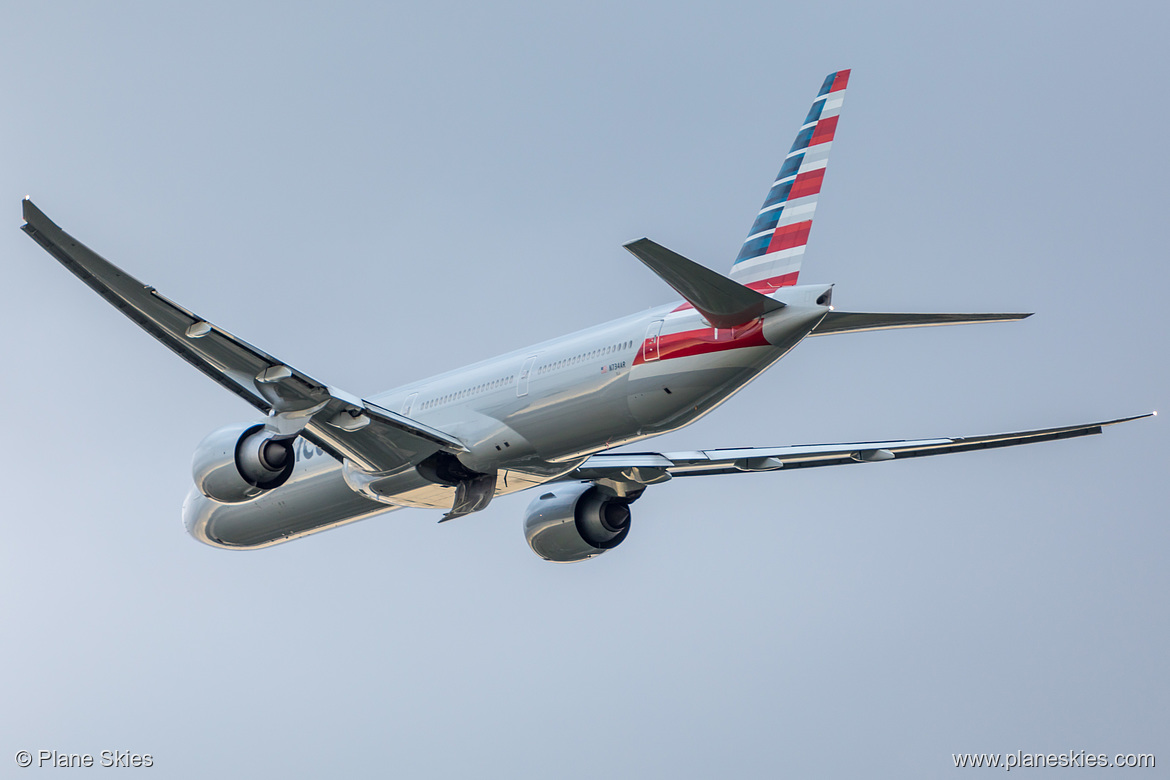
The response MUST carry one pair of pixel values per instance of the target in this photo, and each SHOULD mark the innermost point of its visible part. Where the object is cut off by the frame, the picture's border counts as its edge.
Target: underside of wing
(648, 468)
(374, 439)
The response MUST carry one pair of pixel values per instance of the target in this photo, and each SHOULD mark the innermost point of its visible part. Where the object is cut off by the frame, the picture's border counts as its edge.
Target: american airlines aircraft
(547, 417)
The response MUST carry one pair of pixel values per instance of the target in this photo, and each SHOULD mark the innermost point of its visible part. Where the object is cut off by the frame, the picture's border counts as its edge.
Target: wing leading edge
(374, 439)
(648, 468)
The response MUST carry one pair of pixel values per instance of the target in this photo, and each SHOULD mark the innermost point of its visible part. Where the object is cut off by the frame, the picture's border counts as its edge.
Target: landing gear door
(650, 346)
(525, 374)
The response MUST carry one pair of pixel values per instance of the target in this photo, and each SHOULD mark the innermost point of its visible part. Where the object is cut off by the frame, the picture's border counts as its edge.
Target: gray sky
(377, 194)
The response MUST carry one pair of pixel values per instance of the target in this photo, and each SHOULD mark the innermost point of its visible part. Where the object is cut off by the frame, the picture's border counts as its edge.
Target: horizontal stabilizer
(723, 302)
(859, 321)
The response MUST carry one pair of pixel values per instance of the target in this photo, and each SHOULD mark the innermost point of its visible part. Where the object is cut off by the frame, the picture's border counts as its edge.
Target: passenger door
(650, 346)
(525, 374)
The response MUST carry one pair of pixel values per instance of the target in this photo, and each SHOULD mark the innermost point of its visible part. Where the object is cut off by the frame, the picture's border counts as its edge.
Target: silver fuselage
(530, 416)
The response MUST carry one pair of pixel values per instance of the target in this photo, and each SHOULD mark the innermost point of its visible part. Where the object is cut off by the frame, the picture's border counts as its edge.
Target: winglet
(723, 302)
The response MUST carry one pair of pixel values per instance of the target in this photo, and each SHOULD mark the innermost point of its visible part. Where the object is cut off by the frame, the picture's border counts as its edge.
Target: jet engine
(573, 522)
(239, 462)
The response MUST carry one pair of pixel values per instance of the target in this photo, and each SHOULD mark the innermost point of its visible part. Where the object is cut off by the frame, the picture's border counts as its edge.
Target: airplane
(549, 417)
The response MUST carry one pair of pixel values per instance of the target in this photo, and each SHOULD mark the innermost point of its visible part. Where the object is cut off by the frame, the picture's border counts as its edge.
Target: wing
(634, 469)
(374, 439)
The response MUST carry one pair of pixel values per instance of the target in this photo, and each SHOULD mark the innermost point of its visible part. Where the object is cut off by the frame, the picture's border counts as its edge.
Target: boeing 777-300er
(546, 417)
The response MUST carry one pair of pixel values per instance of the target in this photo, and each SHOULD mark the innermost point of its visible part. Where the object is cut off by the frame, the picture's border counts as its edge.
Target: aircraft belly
(316, 498)
(405, 488)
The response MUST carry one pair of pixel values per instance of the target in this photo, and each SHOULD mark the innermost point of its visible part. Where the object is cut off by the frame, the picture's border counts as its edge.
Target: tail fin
(771, 255)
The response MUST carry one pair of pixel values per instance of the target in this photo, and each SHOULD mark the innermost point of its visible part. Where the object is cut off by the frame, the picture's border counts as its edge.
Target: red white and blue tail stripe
(771, 255)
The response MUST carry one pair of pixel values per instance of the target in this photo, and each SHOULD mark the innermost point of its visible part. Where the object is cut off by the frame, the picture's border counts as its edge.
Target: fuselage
(529, 416)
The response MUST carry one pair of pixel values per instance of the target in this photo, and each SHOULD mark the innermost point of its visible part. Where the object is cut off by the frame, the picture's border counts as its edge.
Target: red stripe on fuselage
(703, 341)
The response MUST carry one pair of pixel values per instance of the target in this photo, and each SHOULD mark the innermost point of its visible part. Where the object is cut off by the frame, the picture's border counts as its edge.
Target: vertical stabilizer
(771, 255)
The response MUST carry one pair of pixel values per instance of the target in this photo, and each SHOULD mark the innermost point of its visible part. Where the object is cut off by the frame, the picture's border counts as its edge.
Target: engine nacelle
(575, 522)
(239, 462)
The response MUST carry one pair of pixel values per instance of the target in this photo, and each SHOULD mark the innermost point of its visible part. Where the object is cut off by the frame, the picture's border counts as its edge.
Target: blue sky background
(377, 193)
